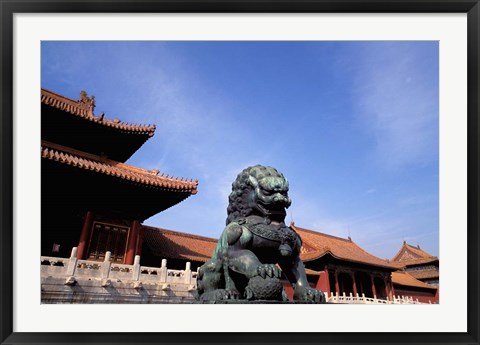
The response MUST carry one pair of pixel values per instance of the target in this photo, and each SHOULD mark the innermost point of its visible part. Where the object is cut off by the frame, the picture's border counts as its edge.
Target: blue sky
(352, 125)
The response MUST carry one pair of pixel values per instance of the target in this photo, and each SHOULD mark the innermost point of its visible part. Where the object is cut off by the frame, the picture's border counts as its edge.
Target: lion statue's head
(259, 190)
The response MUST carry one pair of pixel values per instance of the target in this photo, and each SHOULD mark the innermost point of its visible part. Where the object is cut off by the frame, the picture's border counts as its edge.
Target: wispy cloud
(398, 105)
(380, 232)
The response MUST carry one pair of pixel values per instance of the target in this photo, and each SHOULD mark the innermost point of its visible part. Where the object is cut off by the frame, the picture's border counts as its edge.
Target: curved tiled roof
(405, 279)
(84, 109)
(425, 274)
(172, 244)
(411, 255)
(87, 161)
(179, 245)
(420, 261)
(340, 248)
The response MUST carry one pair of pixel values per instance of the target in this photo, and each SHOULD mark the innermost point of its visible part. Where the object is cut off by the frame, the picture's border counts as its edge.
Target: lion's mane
(242, 189)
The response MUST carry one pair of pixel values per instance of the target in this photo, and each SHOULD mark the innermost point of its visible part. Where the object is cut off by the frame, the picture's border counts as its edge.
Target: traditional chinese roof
(86, 181)
(405, 279)
(84, 109)
(83, 160)
(424, 274)
(320, 244)
(73, 123)
(179, 245)
(413, 255)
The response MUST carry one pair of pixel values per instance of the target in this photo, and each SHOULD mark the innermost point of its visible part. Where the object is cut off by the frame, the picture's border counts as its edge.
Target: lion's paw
(270, 270)
(309, 295)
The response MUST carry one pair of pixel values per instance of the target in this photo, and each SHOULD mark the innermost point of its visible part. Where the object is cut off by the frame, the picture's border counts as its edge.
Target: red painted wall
(423, 297)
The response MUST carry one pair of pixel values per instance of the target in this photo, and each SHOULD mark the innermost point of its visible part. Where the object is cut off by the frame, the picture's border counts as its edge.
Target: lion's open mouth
(273, 211)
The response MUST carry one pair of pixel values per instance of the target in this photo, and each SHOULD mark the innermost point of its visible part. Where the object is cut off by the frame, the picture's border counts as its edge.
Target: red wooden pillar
(354, 284)
(138, 249)
(337, 287)
(390, 288)
(361, 286)
(85, 236)
(386, 287)
(132, 242)
(374, 291)
(328, 280)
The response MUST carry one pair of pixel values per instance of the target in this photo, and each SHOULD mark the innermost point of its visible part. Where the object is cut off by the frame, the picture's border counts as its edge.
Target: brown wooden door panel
(106, 237)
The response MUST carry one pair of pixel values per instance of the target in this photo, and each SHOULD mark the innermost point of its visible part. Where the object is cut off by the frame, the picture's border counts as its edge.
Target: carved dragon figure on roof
(254, 242)
(87, 103)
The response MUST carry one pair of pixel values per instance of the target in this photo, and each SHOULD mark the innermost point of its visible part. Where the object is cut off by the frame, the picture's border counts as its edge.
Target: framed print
(272, 67)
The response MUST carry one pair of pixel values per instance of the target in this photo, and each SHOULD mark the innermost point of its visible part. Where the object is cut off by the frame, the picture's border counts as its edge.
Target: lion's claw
(310, 295)
(270, 270)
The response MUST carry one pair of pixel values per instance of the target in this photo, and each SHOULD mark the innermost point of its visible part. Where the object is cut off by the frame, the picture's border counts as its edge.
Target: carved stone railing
(72, 269)
(69, 271)
(350, 299)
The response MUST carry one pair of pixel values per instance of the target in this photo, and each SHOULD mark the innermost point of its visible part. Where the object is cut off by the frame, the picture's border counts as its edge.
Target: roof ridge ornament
(86, 103)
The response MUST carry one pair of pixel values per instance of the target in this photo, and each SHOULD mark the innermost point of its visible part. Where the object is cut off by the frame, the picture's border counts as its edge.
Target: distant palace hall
(95, 248)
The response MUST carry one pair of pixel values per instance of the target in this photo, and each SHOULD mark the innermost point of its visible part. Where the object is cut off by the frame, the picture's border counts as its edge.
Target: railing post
(72, 263)
(163, 272)
(136, 268)
(136, 271)
(106, 265)
(188, 273)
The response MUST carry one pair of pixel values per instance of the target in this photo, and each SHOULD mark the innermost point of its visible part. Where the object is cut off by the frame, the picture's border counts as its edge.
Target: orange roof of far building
(319, 244)
(179, 245)
(413, 255)
(99, 164)
(405, 279)
(425, 274)
(84, 108)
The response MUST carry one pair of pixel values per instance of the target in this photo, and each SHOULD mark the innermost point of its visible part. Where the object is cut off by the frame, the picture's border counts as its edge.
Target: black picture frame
(10, 7)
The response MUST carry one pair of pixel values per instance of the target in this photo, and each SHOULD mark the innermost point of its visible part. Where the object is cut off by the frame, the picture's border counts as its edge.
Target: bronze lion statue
(255, 243)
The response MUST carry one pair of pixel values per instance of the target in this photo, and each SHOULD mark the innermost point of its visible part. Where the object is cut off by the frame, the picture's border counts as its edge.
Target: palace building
(418, 263)
(338, 266)
(95, 203)
(91, 199)
(344, 267)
